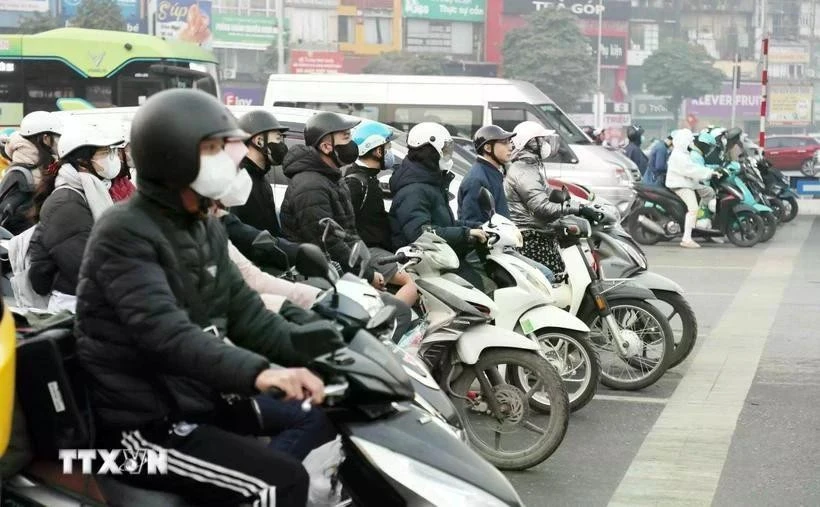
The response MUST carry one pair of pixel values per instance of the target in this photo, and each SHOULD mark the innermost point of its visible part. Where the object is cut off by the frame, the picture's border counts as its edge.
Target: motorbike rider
(420, 196)
(266, 149)
(31, 150)
(656, 167)
(71, 197)
(528, 194)
(158, 298)
(372, 222)
(122, 187)
(685, 174)
(494, 146)
(317, 190)
(634, 133)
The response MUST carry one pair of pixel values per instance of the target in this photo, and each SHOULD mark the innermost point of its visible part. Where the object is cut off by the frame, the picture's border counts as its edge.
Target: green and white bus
(96, 68)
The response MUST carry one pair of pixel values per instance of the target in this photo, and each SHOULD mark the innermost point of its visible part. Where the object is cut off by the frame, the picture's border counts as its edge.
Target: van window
(508, 119)
(561, 123)
(461, 121)
(366, 111)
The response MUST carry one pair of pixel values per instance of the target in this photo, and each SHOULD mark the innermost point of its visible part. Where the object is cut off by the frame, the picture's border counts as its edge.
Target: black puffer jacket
(317, 190)
(58, 243)
(146, 359)
(260, 209)
(420, 198)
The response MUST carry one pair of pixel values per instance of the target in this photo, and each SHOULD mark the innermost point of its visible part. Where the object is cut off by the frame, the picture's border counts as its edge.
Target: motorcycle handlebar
(400, 258)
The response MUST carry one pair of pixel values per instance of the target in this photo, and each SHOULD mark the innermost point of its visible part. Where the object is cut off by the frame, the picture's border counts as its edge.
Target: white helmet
(39, 122)
(529, 130)
(80, 135)
(431, 133)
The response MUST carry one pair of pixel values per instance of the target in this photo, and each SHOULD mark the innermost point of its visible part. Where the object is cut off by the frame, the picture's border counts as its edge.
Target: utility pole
(735, 86)
(280, 36)
(600, 104)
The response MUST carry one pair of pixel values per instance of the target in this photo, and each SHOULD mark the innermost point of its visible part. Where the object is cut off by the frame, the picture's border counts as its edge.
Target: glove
(315, 339)
(298, 315)
(591, 214)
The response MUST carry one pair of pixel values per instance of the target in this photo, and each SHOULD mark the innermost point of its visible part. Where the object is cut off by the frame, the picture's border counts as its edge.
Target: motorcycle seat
(120, 494)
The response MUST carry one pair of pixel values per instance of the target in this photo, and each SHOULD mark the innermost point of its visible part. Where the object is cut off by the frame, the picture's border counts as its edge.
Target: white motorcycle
(633, 337)
(526, 306)
(473, 362)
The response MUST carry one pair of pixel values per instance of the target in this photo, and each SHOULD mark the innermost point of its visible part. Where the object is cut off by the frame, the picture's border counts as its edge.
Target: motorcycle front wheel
(572, 354)
(686, 332)
(496, 413)
(745, 229)
(790, 208)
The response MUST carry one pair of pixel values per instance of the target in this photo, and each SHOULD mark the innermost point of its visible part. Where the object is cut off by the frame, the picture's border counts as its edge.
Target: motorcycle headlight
(433, 485)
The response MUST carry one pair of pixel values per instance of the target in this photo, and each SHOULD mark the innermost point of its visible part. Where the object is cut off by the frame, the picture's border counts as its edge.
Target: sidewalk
(809, 206)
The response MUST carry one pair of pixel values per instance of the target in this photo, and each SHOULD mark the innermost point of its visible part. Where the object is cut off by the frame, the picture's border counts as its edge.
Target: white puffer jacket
(682, 172)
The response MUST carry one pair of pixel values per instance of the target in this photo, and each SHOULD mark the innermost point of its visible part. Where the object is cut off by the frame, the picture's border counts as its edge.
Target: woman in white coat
(684, 177)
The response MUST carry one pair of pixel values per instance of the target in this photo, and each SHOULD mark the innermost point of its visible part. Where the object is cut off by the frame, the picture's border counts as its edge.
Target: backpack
(5, 188)
(362, 179)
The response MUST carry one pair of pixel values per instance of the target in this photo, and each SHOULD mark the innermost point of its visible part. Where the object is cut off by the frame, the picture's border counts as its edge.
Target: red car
(792, 153)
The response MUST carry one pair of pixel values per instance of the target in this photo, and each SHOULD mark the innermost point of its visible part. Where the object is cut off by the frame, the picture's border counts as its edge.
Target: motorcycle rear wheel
(791, 209)
(513, 408)
(641, 234)
(745, 229)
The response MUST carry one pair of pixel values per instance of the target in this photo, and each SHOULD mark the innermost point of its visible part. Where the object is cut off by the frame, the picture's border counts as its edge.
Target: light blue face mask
(389, 160)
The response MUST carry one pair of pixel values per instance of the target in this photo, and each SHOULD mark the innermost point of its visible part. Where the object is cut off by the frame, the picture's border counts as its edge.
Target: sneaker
(689, 244)
(717, 239)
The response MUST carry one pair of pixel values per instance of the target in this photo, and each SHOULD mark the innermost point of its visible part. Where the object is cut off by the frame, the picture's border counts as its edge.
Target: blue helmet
(369, 135)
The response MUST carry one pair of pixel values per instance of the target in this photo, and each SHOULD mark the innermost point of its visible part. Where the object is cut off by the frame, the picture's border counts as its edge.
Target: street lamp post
(599, 104)
(280, 36)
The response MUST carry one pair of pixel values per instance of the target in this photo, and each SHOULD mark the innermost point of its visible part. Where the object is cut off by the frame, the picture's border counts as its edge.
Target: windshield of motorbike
(558, 121)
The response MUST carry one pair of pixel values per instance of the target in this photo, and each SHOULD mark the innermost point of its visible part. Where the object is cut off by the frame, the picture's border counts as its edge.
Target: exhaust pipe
(652, 226)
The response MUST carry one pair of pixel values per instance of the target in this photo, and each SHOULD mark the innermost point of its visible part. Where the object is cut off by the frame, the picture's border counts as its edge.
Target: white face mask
(108, 166)
(546, 150)
(216, 173)
(238, 191)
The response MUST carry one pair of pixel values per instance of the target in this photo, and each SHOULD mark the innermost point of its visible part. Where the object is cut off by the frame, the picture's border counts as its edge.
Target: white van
(462, 104)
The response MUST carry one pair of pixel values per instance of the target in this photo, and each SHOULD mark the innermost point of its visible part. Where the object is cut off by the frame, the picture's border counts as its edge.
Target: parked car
(792, 153)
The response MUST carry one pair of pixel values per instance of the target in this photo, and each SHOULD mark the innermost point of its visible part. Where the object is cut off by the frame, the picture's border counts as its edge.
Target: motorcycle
(778, 186)
(736, 178)
(475, 362)
(392, 451)
(658, 213)
(616, 311)
(619, 257)
(525, 306)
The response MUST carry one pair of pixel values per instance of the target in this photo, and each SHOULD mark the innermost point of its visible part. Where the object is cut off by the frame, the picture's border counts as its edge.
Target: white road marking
(682, 457)
(632, 399)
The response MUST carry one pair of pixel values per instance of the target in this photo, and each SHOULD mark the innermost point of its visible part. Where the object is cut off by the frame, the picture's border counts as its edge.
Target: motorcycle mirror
(5, 234)
(360, 255)
(266, 243)
(311, 262)
(331, 228)
(486, 201)
(264, 238)
(382, 317)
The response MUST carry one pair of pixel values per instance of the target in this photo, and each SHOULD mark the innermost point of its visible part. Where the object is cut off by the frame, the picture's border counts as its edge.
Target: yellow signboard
(790, 105)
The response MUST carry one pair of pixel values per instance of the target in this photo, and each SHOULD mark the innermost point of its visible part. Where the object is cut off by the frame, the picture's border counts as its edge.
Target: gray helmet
(322, 124)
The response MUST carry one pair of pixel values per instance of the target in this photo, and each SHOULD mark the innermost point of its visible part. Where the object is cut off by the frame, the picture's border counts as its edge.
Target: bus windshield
(99, 68)
(561, 123)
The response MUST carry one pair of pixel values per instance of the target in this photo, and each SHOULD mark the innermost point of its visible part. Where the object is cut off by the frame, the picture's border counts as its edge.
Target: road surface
(738, 423)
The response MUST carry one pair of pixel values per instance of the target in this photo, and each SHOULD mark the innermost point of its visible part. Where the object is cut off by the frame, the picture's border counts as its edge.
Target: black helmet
(322, 124)
(488, 134)
(167, 129)
(634, 133)
(259, 121)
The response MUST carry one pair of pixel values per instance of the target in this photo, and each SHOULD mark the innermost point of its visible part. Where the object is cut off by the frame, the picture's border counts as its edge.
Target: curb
(809, 207)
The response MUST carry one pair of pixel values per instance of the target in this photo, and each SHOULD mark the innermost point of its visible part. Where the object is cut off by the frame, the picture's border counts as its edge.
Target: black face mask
(346, 153)
(277, 152)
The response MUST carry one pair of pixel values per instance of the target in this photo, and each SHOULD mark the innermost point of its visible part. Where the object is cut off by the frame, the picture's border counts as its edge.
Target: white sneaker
(689, 244)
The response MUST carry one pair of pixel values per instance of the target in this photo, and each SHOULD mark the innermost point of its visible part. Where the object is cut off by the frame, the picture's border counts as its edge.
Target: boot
(688, 225)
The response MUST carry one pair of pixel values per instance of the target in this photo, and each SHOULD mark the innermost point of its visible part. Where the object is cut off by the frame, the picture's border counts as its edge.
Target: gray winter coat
(528, 194)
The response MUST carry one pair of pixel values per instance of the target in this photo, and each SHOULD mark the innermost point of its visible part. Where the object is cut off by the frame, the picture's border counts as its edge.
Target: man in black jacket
(158, 296)
(266, 149)
(317, 189)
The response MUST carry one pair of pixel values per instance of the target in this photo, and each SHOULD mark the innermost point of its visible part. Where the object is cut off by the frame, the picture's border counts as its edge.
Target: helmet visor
(448, 149)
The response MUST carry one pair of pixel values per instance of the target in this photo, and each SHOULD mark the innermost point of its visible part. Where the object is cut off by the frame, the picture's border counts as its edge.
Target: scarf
(93, 188)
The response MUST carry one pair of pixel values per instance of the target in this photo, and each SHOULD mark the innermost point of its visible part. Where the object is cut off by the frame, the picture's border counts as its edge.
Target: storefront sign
(651, 109)
(719, 105)
(259, 30)
(790, 105)
(316, 62)
(24, 5)
(186, 20)
(446, 10)
(788, 54)
(613, 50)
(608, 9)
(236, 96)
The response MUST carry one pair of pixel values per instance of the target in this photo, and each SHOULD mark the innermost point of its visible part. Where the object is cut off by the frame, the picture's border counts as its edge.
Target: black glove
(316, 338)
(298, 315)
(591, 214)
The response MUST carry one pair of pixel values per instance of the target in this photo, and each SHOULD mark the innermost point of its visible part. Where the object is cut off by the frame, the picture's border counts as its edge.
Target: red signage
(316, 62)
